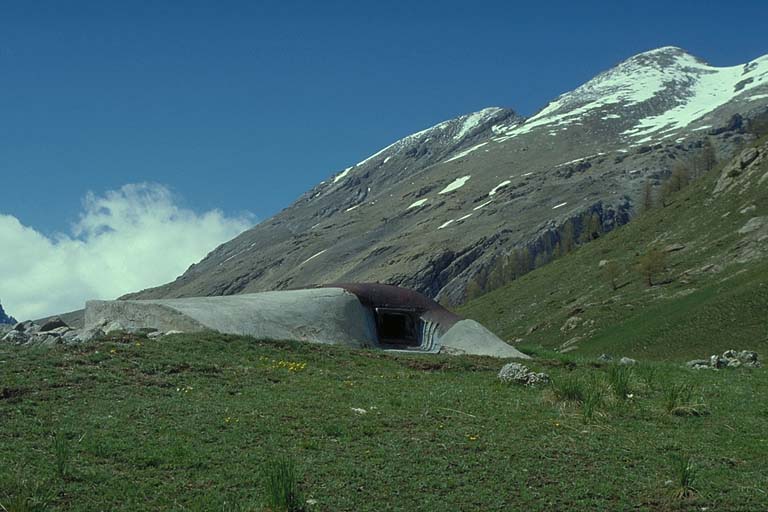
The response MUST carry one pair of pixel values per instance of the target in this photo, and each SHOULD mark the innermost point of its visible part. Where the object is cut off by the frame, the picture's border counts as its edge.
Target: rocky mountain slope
(437, 207)
(709, 294)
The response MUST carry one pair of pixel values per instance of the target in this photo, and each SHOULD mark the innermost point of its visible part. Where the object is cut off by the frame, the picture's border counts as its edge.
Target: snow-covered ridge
(693, 85)
(452, 130)
(712, 88)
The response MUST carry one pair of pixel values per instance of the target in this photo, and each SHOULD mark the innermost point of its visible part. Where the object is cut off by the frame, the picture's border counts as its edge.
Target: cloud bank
(125, 240)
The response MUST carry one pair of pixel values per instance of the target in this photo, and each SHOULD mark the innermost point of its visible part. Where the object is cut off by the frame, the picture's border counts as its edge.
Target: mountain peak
(5, 318)
(664, 57)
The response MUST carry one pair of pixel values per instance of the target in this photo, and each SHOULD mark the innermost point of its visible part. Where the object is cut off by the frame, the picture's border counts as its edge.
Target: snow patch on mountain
(466, 152)
(418, 203)
(342, 174)
(670, 73)
(482, 205)
(579, 159)
(455, 184)
(472, 121)
(313, 256)
(711, 88)
(499, 186)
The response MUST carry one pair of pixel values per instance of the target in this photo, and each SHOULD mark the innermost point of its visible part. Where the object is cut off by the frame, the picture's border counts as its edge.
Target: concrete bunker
(354, 314)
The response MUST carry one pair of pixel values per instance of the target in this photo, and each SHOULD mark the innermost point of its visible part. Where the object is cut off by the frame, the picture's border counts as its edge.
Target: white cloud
(125, 240)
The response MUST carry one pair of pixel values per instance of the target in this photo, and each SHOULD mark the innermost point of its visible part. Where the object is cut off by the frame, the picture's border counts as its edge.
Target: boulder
(16, 337)
(753, 224)
(747, 157)
(674, 247)
(519, 374)
(606, 358)
(627, 361)
(698, 364)
(59, 331)
(28, 327)
(70, 337)
(570, 324)
(87, 335)
(53, 323)
(45, 340)
(748, 359)
(718, 362)
(748, 209)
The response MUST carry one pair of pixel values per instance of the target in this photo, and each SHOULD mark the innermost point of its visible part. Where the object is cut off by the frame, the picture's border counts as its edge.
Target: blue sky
(243, 106)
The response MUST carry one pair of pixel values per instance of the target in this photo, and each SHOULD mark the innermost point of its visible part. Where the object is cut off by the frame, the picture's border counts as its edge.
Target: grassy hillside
(192, 422)
(715, 294)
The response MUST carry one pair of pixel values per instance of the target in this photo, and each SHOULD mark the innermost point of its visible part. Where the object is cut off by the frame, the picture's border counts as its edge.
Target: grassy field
(710, 298)
(196, 422)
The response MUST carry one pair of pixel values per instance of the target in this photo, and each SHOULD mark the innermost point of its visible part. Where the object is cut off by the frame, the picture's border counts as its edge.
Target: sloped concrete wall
(470, 337)
(322, 315)
(318, 315)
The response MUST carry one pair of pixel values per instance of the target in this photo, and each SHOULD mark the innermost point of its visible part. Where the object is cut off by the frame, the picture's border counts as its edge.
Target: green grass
(281, 484)
(193, 423)
(693, 315)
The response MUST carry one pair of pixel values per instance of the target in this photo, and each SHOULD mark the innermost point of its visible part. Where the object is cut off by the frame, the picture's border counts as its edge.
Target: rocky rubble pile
(51, 332)
(729, 359)
(56, 331)
(517, 373)
(626, 361)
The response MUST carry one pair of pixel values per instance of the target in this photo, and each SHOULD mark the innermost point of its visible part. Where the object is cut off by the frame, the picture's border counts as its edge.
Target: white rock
(16, 337)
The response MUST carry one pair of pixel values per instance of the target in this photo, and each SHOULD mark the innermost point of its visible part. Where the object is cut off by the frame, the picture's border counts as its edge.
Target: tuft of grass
(678, 401)
(62, 454)
(333, 429)
(593, 400)
(569, 388)
(28, 497)
(281, 483)
(684, 475)
(649, 375)
(620, 381)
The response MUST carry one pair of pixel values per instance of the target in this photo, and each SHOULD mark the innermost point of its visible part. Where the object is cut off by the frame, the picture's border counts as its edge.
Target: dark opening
(397, 327)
